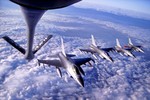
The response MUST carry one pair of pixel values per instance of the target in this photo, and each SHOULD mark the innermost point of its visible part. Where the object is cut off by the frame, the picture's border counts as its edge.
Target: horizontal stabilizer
(14, 44)
(38, 47)
(56, 55)
(81, 61)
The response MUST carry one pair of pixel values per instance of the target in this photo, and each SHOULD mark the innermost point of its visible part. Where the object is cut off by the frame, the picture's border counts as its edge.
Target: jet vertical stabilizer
(118, 43)
(130, 42)
(62, 47)
(93, 40)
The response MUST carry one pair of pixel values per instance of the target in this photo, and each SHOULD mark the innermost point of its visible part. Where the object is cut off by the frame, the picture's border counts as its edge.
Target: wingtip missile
(59, 72)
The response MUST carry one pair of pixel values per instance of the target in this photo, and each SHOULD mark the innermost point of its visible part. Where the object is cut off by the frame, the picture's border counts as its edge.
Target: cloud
(126, 78)
(131, 31)
(109, 6)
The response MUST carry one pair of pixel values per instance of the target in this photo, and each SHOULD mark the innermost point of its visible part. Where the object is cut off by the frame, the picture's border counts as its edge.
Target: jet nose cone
(132, 55)
(111, 60)
(80, 81)
(141, 50)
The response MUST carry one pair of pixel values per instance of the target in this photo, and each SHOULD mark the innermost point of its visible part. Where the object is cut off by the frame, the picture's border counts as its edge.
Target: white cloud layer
(126, 78)
(99, 6)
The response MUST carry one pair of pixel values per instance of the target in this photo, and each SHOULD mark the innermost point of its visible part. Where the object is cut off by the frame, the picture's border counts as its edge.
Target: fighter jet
(132, 47)
(33, 10)
(121, 50)
(94, 49)
(72, 65)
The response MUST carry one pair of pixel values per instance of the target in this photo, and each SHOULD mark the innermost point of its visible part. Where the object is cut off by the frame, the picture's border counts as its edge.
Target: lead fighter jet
(33, 11)
(72, 65)
(94, 49)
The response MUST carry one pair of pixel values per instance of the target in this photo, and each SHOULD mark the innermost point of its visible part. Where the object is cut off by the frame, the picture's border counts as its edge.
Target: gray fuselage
(123, 51)
(71, 68)
(101, 53)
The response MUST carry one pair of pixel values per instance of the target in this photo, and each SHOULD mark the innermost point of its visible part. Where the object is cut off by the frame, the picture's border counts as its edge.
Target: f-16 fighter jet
(121, 50)
(131, 47)
(33, 10)
(72, 65)
(94, 49)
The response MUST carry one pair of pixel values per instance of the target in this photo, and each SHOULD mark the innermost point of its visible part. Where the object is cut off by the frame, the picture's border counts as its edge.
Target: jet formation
(94, 50)
(72, 64)
(33, 11)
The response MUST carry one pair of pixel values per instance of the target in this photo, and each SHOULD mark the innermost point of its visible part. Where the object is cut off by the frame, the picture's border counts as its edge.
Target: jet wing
(138, 46)
(50, 62)
(70, 55)
(129, 49)
(67, 54)
(81, 61)
(87, 50)
(108, 49)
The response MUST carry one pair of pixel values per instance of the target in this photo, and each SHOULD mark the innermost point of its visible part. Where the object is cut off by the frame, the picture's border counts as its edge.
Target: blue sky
(135, 5)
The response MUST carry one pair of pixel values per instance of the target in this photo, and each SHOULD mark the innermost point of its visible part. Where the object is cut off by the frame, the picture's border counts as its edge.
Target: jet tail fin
(62, 46)
(93, 40)
(118, 43)
(130, 42)
(39, 46)
(14, 44)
